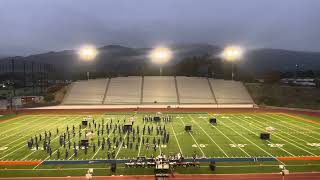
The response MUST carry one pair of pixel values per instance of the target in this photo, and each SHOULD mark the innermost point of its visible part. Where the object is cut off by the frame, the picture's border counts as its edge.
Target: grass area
(235, 135)
(7, 116)
(309, 117)
(284, 96)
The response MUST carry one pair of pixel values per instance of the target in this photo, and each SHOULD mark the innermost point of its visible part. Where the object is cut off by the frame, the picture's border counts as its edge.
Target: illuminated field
(235, 136)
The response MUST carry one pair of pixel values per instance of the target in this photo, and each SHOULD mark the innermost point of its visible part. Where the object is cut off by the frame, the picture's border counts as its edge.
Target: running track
(295, 176)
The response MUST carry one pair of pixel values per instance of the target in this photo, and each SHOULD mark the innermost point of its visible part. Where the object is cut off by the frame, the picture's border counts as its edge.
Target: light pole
(88, 53)
(160, 56)
(232, 53)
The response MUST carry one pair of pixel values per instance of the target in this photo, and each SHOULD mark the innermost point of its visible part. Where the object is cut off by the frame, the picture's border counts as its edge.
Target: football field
(235, 137)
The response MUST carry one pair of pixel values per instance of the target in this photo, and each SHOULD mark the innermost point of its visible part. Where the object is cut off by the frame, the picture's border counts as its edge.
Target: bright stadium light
(232, 53)
(87, 52)
(160, 55)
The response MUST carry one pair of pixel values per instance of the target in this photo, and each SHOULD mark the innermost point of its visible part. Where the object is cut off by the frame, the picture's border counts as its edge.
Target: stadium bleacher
(230, 92)
(194, 90)
(86, 92)
(157, 90)
(124, 90)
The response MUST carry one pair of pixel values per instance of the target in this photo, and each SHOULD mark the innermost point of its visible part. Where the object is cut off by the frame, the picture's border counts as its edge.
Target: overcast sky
(33, 26)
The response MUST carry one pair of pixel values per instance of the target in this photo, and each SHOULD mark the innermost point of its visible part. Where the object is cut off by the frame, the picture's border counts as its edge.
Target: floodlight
(160, 55)
(87, 52)
(232, 53)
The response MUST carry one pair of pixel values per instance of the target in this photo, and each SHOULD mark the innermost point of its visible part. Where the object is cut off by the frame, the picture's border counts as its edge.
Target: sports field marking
(36, 151)
(244, 138)
(4, 122)
(258, 136)
(140, 142)
(193, 139)
(288, 141)
(23, 141)
(15, 126)
(62, 125)
(278, 136)
(289, 127)
(140, 145)
(248, 155)
(278, 129)
(301, 118)
(24, 146)
(53, 153)
(174, 133)
(24, 129)
(119, 148)
(209, 136)
(33, 126)
(290, 134)
(249, 140)
(301, 122)
(103, 126)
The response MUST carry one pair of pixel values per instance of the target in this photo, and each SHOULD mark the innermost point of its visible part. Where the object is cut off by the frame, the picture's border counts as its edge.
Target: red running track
(294, 176)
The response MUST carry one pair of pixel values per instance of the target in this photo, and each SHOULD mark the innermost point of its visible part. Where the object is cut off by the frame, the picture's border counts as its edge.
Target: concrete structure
(158, 90)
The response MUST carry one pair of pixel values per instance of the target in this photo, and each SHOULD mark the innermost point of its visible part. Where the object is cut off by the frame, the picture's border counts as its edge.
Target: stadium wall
(313, 113)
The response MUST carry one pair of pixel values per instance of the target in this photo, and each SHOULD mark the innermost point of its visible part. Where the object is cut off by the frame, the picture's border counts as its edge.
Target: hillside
(261, 60)
(115, 58)
(284, 96)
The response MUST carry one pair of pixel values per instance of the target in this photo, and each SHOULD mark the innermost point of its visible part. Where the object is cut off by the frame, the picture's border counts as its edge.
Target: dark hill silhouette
(126, 59)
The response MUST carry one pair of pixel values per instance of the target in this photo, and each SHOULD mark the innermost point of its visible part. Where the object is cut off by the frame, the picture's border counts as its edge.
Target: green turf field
(235, 135)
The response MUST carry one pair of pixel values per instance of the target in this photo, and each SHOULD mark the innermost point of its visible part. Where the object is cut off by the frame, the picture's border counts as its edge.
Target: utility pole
(24, 77)
(13, 76)
(32, 76)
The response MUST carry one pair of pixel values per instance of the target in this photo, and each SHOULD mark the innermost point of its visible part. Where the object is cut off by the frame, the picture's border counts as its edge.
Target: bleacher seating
(230, 92)
(159, 89)
(86, 92)
(194, 90)
(124, 90)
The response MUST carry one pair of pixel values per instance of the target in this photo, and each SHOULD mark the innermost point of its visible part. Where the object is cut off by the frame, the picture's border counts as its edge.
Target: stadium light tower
(232, 54)
(160, 56)
(88, 53)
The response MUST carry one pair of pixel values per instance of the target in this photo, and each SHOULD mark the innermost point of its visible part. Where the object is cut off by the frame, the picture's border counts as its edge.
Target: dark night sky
(33, 26)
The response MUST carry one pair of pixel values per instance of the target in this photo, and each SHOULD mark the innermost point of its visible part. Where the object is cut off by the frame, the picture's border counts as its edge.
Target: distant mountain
(262, 60)
(125, 59)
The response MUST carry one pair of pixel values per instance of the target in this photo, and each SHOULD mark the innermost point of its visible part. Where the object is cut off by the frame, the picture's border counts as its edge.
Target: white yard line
(281, 139)
(35, 150)
(15, 125)
(258, 136)
(24, 142)
(251, 141)
(294, 144)
(301, 122)
(8, 122)
(231, 140)
(62, 125)
(24, 129)
(53, 153)
(103, 126)
(290, 124)
(286, 132)
(194, 139)
(140, 145)
(174, 133)
(209, 136)
(121, 146)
